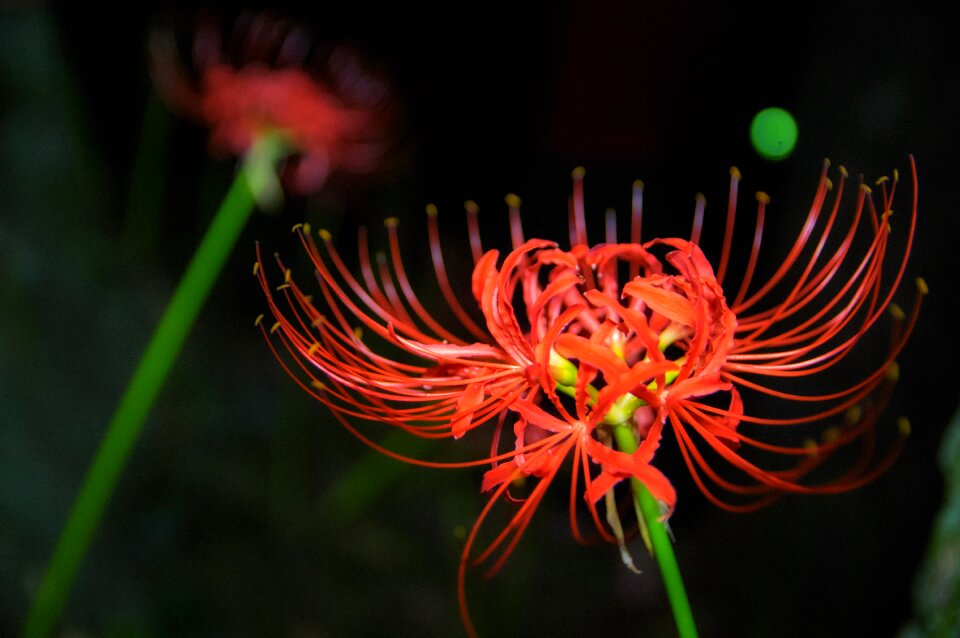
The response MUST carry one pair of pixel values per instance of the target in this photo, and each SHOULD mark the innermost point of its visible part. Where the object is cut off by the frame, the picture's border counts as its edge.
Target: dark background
(228, 520)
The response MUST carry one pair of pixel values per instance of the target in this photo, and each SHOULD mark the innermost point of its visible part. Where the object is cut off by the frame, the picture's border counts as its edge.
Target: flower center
(628, 347)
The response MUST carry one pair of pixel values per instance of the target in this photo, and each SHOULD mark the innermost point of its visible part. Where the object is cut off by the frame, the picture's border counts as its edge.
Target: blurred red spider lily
(578, 346)
(269, 78)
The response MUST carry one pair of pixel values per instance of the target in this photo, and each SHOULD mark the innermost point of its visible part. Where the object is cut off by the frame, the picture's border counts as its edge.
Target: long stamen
(516, 228)
(700, 205)
(728, 230)
(436, 254)
(636, 223)
(473, 229)
(578, 222)
(799, 242)
(763, 200)
(408, 294)
(610, 226)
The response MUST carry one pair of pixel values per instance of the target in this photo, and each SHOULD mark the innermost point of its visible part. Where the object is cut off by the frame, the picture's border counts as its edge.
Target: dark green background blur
(229, 522)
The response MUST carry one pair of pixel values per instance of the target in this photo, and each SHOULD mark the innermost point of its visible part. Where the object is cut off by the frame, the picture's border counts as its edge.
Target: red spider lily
(329, 109)
(640, 335)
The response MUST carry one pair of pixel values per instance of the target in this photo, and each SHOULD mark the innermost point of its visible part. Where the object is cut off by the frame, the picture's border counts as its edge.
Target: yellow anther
(843, 171)
(319, 385)
(286, 276)
(896, 312)
(578, 172)
(324, 234)
(638, 184)
(313, 348)
(282, 287)
(513, 201)
(306, 229)
(735, 173)
(882, 180)
(829, 183)
(866, 189)
(316, 322)
(431, 210)
(296, 227)
(274, 327)
(896, 175)
(831, 434)
(853, 414)
(922, 286)
(826, 162)
(258, 320)
(903, 425)
(391, 222)
(256, 268)
(471, 207)
(308, 298)
(811, 447)
(892, 373)
(763, 198)
(358, 333)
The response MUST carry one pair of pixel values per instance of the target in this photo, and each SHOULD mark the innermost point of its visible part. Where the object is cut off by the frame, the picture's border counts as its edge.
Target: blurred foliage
(937, 588)
(55, 305)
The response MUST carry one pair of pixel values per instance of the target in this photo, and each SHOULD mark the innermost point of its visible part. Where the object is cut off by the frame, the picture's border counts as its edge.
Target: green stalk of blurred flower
(255, 182)
(262, 110)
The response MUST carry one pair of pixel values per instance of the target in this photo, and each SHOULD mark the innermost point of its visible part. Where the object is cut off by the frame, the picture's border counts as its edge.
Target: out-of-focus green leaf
(937, 589)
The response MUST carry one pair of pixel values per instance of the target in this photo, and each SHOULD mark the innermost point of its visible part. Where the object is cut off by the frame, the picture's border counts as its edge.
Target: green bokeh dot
(773, 133)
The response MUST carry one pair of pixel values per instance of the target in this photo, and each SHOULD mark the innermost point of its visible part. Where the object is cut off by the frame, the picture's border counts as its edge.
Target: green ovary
(564, 373)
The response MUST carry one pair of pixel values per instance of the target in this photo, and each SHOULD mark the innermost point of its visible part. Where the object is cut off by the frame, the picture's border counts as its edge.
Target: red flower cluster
(329, 109)
(576, 344)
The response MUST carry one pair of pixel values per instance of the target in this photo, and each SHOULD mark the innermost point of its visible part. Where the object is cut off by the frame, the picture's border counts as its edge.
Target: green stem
(128, 420)
(660, 540)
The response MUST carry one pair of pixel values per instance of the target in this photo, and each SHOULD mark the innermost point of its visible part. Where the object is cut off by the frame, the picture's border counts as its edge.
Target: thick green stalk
(660, 541)
(150, 374)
